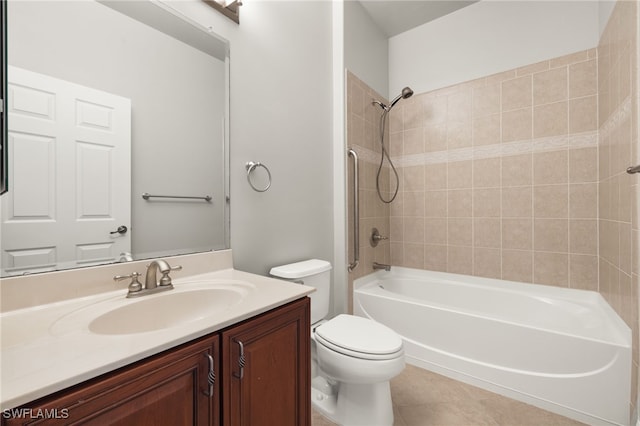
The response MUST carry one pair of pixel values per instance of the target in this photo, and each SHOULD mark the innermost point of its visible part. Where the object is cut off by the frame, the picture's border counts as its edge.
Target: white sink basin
(186, 303)
(166, 310)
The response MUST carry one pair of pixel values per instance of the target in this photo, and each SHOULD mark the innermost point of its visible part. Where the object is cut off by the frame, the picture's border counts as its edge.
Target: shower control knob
(376, 237)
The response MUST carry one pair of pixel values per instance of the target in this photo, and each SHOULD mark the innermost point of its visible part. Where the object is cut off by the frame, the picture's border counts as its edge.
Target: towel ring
(251, 166)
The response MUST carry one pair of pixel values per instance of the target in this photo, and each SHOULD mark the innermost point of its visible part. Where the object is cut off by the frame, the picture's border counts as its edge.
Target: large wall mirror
(108, 101)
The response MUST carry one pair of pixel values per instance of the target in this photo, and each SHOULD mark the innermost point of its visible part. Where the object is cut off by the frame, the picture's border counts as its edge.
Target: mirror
(108, 101)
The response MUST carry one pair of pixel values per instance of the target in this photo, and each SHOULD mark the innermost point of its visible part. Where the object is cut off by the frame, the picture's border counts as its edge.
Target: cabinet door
(273, 387)
(168, 389)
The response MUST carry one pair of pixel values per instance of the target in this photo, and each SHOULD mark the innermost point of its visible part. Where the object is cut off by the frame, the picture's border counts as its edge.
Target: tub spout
(377, 265)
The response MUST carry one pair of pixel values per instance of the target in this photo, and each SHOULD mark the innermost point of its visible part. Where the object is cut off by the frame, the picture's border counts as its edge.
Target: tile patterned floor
(423, 398)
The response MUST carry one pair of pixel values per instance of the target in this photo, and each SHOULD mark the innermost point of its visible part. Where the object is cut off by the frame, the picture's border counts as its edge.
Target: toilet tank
(314, 273)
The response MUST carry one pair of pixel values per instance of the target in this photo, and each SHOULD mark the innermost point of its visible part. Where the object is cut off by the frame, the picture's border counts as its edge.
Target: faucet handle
(134, 285)
(166, 279)
(376, 237)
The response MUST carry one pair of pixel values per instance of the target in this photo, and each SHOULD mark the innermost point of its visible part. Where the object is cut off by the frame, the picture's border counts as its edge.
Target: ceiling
(397, 16)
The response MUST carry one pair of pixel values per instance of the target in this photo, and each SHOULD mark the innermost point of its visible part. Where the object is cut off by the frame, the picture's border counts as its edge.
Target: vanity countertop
(48, 348)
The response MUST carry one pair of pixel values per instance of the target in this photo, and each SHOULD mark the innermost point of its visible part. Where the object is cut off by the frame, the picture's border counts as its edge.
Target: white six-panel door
(69, 175)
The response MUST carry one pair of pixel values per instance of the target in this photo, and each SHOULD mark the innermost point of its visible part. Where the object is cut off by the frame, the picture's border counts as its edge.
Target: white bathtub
(560, 349)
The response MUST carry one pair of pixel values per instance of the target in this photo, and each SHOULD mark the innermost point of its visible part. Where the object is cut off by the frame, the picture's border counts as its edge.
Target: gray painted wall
(489, 37)
(281, 115)
(366, 48)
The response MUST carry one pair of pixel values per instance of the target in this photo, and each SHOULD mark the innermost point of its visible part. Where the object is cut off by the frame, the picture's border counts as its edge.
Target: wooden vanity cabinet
(168, 389)
(172, 388)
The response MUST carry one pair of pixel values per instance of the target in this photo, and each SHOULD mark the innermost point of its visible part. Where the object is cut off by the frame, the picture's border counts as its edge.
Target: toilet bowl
(361, 357)
(353, 358)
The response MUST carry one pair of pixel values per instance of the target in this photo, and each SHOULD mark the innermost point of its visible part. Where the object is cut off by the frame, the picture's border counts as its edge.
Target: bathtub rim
(623, 333)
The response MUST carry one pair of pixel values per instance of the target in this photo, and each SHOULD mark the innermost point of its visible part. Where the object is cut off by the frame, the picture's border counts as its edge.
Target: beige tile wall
(618, 149)
(518, 175)
(363, 121)
(499, 176)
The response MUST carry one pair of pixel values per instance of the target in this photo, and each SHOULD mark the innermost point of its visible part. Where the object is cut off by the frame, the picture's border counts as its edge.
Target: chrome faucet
(377, 265)
(151, 282)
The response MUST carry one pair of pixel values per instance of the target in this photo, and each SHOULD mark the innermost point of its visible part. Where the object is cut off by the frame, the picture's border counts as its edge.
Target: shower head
(406, 93)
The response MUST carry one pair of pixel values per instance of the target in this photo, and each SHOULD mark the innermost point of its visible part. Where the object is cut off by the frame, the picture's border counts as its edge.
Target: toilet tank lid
(301, 269)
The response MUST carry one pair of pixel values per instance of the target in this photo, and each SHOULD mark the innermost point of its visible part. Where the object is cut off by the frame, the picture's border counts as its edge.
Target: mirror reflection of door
(70, 148)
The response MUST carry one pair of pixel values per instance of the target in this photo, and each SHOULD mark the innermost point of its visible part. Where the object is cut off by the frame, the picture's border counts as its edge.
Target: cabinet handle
(211, 377)
(241, 361)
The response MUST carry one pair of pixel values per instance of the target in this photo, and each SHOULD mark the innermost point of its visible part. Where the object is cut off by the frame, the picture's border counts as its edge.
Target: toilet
(353, 358)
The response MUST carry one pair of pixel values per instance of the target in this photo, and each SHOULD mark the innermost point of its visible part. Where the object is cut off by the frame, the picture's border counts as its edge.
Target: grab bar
(356, 213)
(146, 196)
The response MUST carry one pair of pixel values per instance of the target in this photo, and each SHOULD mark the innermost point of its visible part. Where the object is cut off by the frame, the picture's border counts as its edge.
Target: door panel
(34, 187)
(93, 181)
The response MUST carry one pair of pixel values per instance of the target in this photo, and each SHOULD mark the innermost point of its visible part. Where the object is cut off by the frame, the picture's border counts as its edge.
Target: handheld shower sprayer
(406, 93)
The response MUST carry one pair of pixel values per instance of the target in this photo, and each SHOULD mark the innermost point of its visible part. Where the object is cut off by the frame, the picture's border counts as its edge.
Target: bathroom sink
(163, 311)
(186, 303)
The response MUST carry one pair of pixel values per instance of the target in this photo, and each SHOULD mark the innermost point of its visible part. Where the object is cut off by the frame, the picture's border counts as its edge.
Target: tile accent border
(554, 143)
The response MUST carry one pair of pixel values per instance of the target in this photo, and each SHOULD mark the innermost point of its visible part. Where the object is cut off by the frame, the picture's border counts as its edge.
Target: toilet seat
(359, 338)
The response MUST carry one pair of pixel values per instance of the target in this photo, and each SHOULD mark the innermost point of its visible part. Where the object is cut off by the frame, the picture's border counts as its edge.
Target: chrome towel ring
(251, 167)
